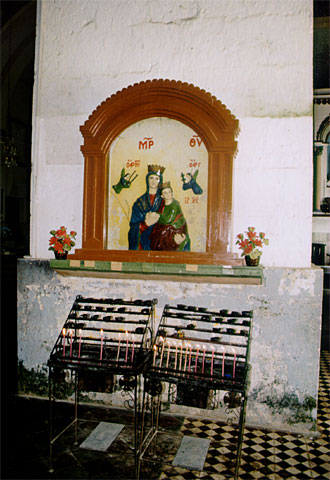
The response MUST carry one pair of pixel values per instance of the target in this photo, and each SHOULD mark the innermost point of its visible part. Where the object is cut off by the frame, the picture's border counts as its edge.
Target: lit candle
(155, 354)
(189, 358)
(185, 358)
(79, 343)
(71, 340)
(212, 359)
(234, 364)
(101, 351)
(133, 349)
(63, 334)
(203, 361)
(196, 359)
(126, 346)
(118, 351)
(162, 351)
(176, 355)
(180, 361)
(168, 353)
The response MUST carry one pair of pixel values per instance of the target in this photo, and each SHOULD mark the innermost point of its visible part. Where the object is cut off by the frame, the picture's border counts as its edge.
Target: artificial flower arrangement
(61, 241)
(250, 244)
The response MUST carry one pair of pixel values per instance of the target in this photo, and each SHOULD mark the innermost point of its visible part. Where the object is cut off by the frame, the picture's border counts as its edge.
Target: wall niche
(191, 136)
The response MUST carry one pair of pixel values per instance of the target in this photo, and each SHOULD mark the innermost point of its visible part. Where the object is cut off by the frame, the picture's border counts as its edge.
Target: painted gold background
(177, 148)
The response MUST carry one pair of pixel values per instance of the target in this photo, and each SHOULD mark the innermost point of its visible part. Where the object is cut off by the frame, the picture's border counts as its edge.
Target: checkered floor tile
(265, 455)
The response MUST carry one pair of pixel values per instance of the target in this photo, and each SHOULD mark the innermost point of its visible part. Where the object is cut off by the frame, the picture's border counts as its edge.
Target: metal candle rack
(106, 335)
(204, 350)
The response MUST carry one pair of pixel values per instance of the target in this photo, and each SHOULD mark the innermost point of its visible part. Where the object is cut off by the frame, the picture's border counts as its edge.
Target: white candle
(180, 361)
(196, 359)
(118, 351)
(155, 354)
(234, 364)
(203, 361)
(168, 353)
(185, 358)
(79, 343)
(133, 349)
(162, 351)
(126, 346)
(212, 359)
(189, 358)
(63, 334)
(176, 355)
(71, 340)
(101, 351)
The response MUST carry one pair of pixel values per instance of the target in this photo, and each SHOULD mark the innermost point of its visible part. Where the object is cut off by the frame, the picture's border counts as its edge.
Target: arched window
(120, 120)
(322, 163)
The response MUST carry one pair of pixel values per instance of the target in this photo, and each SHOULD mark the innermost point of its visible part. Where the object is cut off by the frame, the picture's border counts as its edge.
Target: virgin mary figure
(144, 212)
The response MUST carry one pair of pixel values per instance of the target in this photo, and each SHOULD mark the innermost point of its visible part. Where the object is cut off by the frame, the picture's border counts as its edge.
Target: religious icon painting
(157, 189)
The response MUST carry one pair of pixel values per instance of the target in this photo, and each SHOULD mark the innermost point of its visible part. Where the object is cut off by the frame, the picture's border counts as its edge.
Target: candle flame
(204, 347)
(155, 347)
(101, 332)
(63, 332)
(80, 332)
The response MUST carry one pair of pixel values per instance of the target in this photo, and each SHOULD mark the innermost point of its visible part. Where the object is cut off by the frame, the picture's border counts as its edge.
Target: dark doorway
(18, 31)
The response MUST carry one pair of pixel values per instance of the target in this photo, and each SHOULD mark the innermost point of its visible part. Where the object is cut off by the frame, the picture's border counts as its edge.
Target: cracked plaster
(285, 335)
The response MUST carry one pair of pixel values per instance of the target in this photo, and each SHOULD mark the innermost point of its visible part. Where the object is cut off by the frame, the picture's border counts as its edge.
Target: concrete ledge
(160, 271)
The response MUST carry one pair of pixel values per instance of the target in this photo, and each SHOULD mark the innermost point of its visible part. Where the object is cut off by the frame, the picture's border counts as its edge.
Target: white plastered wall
(255, 56)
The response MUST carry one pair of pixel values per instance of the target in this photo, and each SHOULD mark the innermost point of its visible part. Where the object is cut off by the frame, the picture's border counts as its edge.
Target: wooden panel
(199, 110)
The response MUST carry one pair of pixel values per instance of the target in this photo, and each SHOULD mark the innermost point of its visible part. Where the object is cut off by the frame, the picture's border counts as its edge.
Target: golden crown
(158, 169)
(165, 185)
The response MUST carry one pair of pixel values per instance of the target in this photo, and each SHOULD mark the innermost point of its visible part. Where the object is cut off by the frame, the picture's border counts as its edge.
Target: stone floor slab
(192, 453)
(102, 436)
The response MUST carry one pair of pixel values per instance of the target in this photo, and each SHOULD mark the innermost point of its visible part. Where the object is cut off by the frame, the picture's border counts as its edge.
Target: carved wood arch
(188, 104)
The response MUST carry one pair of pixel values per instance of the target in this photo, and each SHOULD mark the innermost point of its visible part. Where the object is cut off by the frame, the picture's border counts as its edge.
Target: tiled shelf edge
(183, 272)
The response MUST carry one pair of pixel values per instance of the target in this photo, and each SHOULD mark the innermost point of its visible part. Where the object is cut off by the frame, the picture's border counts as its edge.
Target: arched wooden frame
(188, 104)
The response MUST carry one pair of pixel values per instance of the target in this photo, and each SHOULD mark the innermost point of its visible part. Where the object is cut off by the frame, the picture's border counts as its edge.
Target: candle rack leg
(241, 425)
(76, 407)
(136, 461)
(51, 397)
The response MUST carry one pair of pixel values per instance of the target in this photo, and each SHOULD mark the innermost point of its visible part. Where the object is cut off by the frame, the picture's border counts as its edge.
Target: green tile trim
(159, 268)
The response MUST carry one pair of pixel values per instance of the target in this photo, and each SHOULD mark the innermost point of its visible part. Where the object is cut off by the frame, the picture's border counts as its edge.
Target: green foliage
(32, 381)
(301, 412)
(36, 382)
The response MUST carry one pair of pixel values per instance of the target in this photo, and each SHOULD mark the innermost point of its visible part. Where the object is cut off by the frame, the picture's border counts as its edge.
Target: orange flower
(249, 245)
(61, 241)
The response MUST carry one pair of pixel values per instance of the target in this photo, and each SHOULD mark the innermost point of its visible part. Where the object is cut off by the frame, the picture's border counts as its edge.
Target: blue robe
(140, 208)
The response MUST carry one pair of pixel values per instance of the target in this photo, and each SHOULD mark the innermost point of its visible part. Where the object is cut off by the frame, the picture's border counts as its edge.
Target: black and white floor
(265, 454)
(268, 455)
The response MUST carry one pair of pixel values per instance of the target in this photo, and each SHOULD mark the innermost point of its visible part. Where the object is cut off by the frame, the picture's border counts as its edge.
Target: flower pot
(61, 256)
(251, 262)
